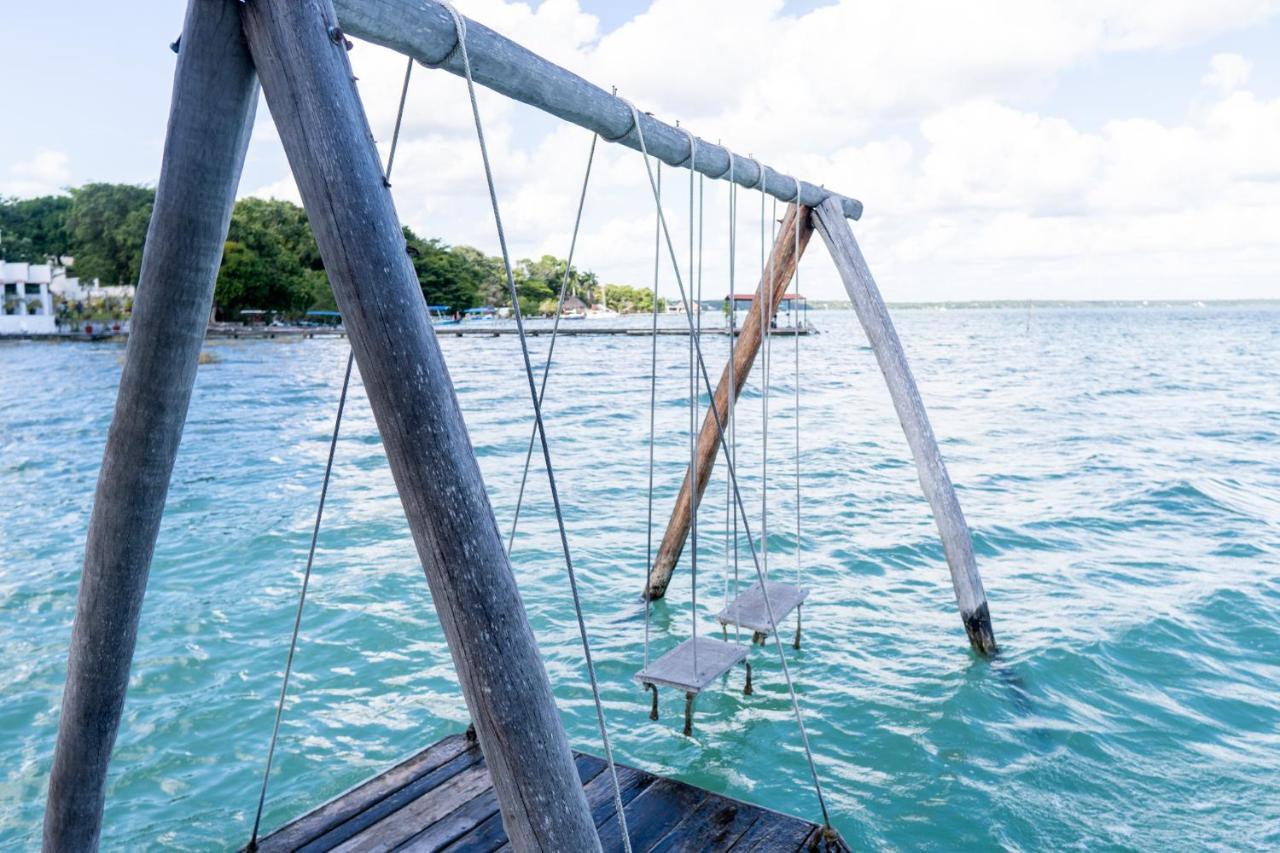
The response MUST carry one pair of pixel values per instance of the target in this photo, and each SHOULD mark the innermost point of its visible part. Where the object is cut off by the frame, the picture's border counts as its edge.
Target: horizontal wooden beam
(424, 30)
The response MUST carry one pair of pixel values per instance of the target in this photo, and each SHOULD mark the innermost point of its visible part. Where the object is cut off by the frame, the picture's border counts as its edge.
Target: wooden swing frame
(298, 50)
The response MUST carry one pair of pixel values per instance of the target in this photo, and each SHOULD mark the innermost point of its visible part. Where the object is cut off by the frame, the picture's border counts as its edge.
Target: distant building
(70, 289)
(27, 303)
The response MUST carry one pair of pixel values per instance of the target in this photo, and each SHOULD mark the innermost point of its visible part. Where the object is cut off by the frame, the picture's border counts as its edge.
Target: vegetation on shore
(271, 261)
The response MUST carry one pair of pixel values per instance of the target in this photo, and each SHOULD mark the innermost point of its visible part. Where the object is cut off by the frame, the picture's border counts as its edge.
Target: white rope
(653, 408)
(731, 450)
(693, 417)
(302, 600)
(461, 27)
(395, 134)
(766, 318)
(324, 491)
(795, 252)
(733, 479)
(551, 348)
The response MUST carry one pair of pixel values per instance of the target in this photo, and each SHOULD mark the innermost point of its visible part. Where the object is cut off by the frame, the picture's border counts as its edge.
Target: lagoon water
(1120, 467)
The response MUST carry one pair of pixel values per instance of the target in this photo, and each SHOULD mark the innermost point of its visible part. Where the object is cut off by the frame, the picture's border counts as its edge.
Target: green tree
(34, 229)
(491, 289)
(269, 261)
(447, 276)
(107, 224)
(628, 300)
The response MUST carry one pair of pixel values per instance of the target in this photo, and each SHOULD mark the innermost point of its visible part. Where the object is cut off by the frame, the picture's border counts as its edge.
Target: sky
(1029, 149)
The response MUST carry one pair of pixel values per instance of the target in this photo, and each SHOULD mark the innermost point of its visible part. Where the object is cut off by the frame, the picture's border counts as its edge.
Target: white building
(70, 289)
(27, 306)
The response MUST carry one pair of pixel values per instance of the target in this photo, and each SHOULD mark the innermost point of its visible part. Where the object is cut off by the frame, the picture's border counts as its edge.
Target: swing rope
(653, 407)
(737, 494)
(302, 600)
(694, 396)
(795, 253)
(731, 449)
(766, 318)
(461, 28)
(551, 348)
(315, 531)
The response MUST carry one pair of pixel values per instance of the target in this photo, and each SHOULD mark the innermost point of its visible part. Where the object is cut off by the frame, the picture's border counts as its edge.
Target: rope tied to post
(460, 25)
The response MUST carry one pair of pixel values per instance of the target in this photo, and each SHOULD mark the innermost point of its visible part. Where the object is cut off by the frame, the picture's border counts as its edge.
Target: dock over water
(443, 799)
(533, 330)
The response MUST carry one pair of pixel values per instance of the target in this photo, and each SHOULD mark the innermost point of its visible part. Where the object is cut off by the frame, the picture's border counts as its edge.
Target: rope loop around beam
(634, 126)
(760, 174)
(691, 160)
(728, 169)
(460, 34)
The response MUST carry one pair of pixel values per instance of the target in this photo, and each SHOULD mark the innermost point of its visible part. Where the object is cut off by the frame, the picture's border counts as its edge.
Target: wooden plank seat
(748, 610)
(443, 799)
(691, 666)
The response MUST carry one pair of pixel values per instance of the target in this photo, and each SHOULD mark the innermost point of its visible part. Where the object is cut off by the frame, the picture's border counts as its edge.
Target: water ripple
(1118, 468)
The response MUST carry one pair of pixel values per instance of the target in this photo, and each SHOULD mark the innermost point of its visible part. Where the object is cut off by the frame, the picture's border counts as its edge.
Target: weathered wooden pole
(778, 272)
(211, 113)
(874, 316)
(302, 61)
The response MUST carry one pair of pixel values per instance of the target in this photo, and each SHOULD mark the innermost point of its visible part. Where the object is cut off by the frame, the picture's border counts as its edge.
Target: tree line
(271, 261)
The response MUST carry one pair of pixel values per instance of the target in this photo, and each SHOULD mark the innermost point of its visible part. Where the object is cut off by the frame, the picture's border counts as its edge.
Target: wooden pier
(443, 799)
(533, 330)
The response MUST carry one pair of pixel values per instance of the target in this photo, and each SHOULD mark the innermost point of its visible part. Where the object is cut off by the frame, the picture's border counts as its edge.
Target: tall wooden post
(211, 113)
(874, 316)
(302, 61)
(778, 272)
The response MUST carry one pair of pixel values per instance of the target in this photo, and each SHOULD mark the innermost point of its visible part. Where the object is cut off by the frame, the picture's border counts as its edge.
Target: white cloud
(1227, 72)
(45, 173)
(918, 108)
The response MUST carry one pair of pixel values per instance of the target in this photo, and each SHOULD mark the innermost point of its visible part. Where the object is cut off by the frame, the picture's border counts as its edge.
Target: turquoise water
(1120, 468)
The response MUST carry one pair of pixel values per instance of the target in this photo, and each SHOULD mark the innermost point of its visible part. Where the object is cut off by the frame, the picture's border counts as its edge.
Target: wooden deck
(442, 799)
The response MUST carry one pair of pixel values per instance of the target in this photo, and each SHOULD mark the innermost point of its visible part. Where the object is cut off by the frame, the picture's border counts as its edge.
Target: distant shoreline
(1061, 303)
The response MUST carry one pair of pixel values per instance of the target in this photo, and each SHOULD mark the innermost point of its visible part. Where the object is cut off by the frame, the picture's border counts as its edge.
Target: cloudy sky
(1123, 149)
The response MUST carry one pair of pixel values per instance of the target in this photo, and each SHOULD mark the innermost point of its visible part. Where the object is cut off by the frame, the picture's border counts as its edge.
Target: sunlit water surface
(1120, 468)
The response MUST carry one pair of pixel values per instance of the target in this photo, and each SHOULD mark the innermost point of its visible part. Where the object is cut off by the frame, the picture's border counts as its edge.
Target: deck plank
(340, 833)
(774, 833)
(443, 799)
(652, 815)
(714, 825)
(351, 802)
(480, 810)
(433, 806)
(631, 783)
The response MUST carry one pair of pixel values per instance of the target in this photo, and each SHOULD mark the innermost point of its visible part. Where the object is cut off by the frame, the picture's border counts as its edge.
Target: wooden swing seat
(748, 610)
(675, 668)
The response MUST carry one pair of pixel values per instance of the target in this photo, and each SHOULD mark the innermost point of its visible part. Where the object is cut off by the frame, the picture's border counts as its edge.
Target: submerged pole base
(747, 690)
(977, 624)
(688, 714)
(653, 712)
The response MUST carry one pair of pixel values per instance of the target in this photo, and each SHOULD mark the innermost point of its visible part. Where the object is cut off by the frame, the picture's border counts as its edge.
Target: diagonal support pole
(934, 480)
(215, 94)
(778, 272)
(301, 57)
